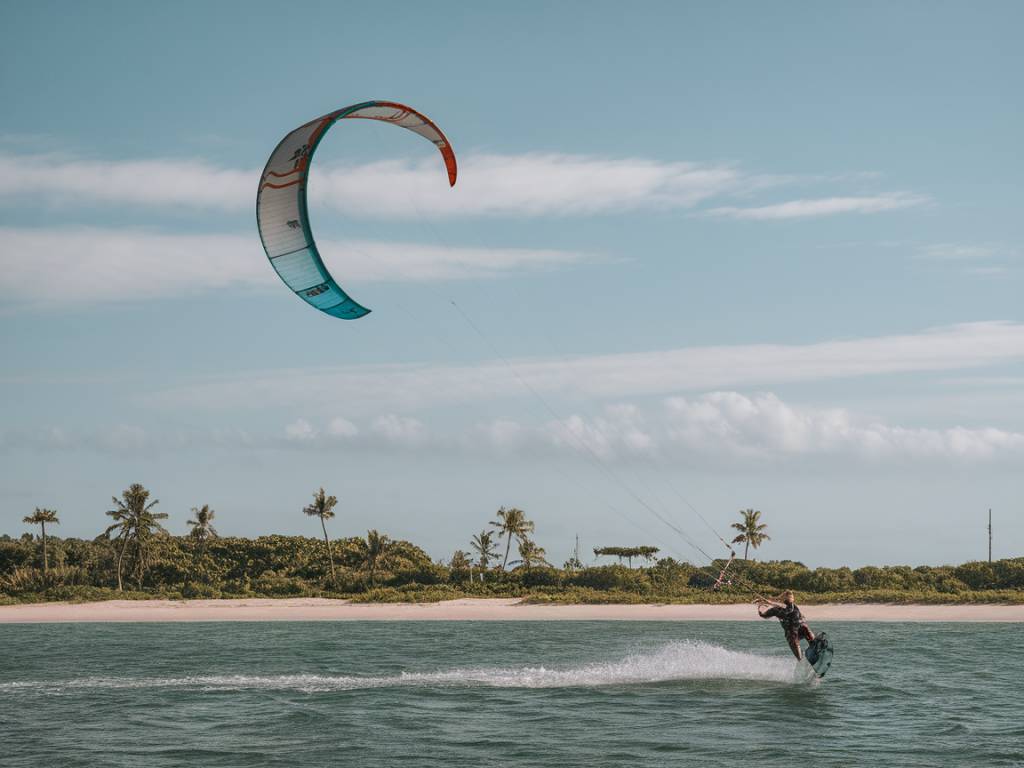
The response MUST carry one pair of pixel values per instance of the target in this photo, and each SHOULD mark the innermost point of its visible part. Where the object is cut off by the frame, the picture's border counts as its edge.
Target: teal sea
(557, 694)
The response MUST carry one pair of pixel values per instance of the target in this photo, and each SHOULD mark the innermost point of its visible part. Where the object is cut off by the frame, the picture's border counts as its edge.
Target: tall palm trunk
(327, 541)
(508, 547)
(140, 562)
(746, 549)
(46, 564)
(120, 559)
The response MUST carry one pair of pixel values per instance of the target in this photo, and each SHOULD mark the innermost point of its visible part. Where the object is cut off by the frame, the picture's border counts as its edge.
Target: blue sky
(719, 256)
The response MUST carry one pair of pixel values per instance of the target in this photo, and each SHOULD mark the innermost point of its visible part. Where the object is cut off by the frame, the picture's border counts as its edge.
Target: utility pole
(576, 563)
(990, 534)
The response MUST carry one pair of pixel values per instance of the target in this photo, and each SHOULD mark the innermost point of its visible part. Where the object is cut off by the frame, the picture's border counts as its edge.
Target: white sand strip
(319, 609)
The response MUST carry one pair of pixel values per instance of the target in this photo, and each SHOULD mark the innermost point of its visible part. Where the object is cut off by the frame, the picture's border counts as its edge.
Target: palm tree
(460, 561)
(135, 523)
(751, 531)
(376, 552)
(41, 517)
(484, 545)
(530, 554)
(512, 523)
(202, 529)
(202, 525)
(323, 507)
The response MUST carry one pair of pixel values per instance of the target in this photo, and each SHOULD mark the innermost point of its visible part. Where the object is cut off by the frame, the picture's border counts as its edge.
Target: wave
(678, 661)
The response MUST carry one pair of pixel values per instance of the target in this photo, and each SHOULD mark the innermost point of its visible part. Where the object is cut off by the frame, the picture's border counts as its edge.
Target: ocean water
(492, 694)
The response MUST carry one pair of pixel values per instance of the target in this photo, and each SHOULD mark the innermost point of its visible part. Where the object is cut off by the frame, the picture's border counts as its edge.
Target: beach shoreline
(472, 609)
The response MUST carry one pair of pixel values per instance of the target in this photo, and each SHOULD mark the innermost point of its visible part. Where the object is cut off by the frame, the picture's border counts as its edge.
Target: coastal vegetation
(136, 557)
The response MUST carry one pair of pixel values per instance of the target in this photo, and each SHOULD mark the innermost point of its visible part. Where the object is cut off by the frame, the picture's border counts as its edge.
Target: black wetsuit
(793, 624)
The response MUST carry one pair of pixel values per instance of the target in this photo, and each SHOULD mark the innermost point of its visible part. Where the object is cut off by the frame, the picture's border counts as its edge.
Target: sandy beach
(319, 609)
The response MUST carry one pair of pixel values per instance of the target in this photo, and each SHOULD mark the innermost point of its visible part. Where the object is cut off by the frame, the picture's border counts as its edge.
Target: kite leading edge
(281, 213)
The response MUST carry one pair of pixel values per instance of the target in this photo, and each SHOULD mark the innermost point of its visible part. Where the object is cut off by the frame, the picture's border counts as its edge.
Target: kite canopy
(281, 212)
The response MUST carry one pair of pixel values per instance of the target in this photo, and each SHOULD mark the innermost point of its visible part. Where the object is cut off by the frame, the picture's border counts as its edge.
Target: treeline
(135, 556)
(294, 566)
(182, 566)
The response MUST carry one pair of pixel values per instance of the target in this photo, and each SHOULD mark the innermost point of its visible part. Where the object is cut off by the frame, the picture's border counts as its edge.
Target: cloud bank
(100, 265)
(145, 183)
(723, 427)
(524, 185)
(603, 377)
(830, 206)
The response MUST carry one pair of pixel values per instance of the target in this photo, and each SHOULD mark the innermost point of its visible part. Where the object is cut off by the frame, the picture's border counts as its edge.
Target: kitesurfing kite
(281, 213)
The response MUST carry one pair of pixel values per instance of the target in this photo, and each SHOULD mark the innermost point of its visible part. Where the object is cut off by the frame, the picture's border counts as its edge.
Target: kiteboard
(819, 654)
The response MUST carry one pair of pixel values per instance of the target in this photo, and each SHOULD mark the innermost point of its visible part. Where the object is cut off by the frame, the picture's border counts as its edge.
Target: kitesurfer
(788, 614)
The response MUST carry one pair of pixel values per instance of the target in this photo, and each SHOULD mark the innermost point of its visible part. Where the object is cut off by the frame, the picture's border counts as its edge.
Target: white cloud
(386, 431)
(96, 265)
(763, 425)
(176, 183)
(339, 427)
(85, 265)
(503, 434)
(300, 430)
(957, 251)
(530, 184)
(336, 430)
(990, 271)
(717, 427)
(618, 429)
(828, 206)
(410, 262)
(521, 185)
(118, 440)
(403, 430)
(977, 259)
(405, 386)
(732, 426)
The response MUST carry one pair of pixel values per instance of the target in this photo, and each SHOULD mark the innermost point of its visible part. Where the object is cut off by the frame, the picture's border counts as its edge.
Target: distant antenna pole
(990, 534)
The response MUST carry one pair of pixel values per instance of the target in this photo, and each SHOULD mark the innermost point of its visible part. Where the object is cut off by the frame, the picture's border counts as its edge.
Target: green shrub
(272, 585)
(200, 591)
(346, 582)
(408, 594)
(422, 573)
(668, 573)
(1010, 573)
(611, 577)
(540, 577)
(28, 579)
(826, 580)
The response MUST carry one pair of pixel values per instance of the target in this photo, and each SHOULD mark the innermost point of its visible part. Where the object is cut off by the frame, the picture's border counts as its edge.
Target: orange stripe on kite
(446, 151)
(298, 168)
(280, 186)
